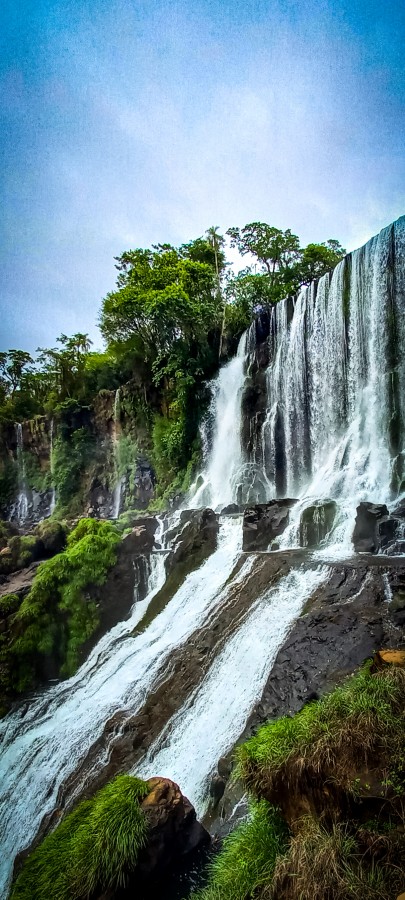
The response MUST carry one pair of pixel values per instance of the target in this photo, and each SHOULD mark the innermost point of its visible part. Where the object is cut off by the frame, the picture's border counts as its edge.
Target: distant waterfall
(22, 499)
(223, 477)
(116, 449)
(51, 466)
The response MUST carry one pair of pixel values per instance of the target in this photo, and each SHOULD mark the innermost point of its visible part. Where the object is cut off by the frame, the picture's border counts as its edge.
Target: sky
(129, 123)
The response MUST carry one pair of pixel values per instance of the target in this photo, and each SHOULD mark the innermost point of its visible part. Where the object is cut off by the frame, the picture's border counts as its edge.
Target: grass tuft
(359, 724)
(93, 849)
(248, 856)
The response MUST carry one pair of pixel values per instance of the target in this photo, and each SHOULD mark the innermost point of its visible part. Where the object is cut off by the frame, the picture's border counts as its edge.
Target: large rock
(365, 535)
(174, 835)
(316, 522)
(263, 523)
(197, 537)
(375, 529)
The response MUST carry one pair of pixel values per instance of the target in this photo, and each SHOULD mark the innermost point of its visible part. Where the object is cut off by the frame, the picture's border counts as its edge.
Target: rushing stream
(333, 427)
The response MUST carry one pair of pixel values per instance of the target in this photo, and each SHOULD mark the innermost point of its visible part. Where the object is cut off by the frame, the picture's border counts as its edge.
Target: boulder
(230, 510)
(366, 536)
(174, 835)
(316, 522)
(198, 535)
(264, 522)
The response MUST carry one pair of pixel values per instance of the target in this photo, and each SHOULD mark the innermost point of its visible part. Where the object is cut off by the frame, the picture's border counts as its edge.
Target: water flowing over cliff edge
(311, 408)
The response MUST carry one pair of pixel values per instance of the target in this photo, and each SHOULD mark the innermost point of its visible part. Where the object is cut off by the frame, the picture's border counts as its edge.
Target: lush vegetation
(58, 615)
(361, 720)
(324, 770)
(248, 856)
(93, 849)
(175, 312)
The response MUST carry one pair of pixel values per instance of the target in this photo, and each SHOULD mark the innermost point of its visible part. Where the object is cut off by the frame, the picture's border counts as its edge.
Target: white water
(330, 395)
(214, 716)
(325, 435)
(42, 745)
(116, 449)
(51, 466)
(22, 499)
(223, 471)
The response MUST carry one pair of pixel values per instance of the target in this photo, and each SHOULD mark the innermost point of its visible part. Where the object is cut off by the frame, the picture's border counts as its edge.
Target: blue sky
(129, 123)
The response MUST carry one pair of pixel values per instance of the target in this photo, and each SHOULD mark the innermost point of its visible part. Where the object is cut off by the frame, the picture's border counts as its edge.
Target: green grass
(360, 723)
(93, 849)
(248, 856)
(58, 615)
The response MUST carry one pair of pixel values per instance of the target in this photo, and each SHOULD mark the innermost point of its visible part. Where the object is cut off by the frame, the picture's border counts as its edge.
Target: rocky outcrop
(360, 608)
(375, 529)
(174, 838)
(127, 581)
(264, 523)
(316, 522)
(196, 538)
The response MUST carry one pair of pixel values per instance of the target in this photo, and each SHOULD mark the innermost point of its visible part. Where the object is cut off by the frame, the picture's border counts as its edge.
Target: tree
(13, 366)
(317, 259)
(276, 251)
(64, 368)
(165, 298)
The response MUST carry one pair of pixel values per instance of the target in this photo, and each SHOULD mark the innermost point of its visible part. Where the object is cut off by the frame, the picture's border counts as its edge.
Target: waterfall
(222, 477)
(188, 751)
(335, 386)
(43, 744)
(331, 428)
(22, 499)
(51, 465)
(117, 461)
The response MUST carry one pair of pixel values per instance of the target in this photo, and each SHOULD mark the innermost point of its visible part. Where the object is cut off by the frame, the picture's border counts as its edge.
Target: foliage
(93, 849)
(341, 863)
(9, 603)
(360, 720)
(57, 616)
(73, 451)
(248, 856)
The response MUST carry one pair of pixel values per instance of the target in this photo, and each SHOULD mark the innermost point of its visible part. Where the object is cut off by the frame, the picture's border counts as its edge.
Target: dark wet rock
(316, 522)
(366, 536)
(264, 522)
(358, 610)
(52, 535)
(231, 509)
(217, 787)
(197, 537)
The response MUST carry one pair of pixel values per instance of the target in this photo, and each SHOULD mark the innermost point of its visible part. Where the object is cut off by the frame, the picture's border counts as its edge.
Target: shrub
(359, 722)
(93, 849)
(57, 616)
(248, 856)
(338, 864)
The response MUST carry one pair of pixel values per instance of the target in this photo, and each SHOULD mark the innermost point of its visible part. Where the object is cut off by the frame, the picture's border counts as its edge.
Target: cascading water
(22, 499)
(333, 428)
(335, 386)
(188, 751)
(117, 461)
(223, 472)
(51, 465)
(42, 745)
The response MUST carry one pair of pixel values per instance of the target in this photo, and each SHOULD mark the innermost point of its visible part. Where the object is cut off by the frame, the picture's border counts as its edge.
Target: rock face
(198, 535)
(359, 609)
(374, 528)
(316, 523)
(127, 581)
(173, 828)
(265, 522)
